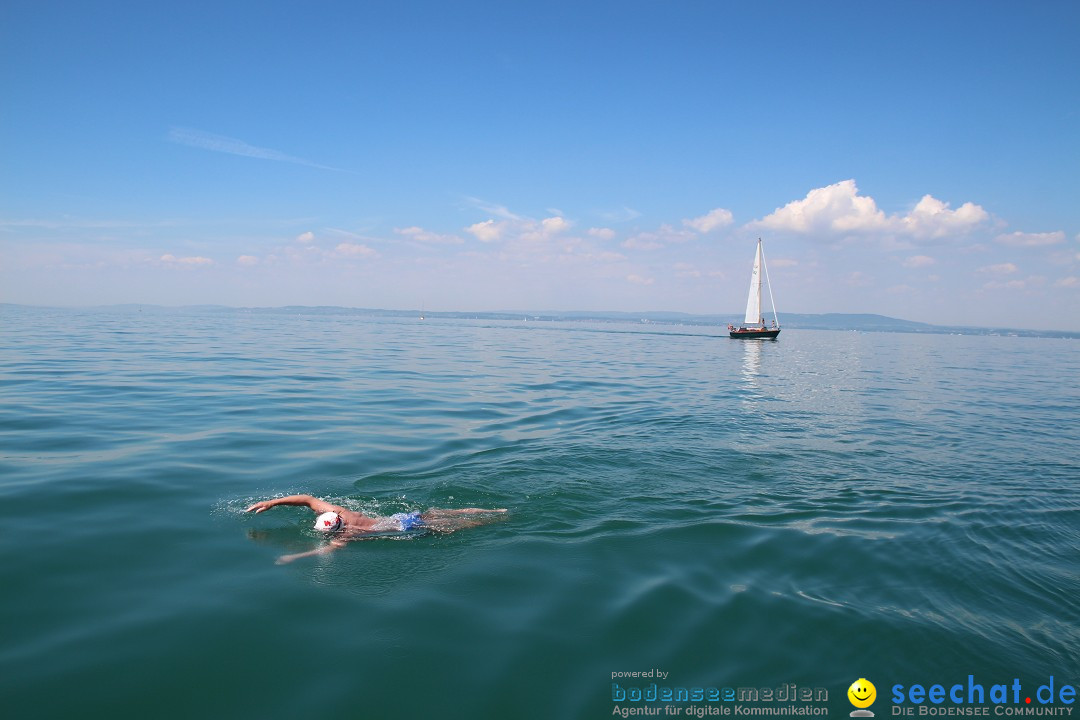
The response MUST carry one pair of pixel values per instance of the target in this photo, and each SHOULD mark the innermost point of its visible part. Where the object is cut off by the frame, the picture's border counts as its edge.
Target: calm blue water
(813, 510)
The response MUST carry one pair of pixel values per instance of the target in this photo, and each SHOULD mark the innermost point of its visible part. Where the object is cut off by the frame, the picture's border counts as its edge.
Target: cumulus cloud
(919, 261)
(539, 232)
(712, 220)
(305, 237)
(1068, 282)
(639, 280)
(519, 228)
(1022, 239)
(839, 209)
(486, 231)
(601, 233)
(355, 250)
(194, 261)
(247, 260)
(932, 218)
(554, 225)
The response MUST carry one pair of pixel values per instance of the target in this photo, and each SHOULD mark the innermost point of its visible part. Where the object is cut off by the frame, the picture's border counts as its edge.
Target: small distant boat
(753, 325)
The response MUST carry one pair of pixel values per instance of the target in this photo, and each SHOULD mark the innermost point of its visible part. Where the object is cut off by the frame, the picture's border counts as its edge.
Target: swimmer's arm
(319, 506)
(333, 545)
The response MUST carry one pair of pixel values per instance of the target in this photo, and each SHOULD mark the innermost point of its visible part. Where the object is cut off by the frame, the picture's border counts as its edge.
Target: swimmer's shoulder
(357, 521)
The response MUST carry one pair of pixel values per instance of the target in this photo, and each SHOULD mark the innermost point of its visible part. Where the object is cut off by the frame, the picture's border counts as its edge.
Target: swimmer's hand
(261, 506)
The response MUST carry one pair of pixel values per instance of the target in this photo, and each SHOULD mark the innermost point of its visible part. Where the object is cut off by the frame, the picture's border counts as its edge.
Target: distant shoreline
(828, 321)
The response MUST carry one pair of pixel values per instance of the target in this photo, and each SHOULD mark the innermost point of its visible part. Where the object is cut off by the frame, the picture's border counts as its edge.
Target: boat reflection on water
(751, 364)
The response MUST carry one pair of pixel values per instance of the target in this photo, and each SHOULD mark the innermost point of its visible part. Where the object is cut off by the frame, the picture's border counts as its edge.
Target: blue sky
(918, 159)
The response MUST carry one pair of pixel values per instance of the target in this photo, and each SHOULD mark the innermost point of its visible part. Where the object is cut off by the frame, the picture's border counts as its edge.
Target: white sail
(753, 300)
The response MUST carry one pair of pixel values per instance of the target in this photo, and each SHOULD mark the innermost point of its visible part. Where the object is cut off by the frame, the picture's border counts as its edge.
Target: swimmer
(348, 524)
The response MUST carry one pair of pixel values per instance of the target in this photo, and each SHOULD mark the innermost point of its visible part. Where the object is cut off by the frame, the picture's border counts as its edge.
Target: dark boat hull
(752, 334)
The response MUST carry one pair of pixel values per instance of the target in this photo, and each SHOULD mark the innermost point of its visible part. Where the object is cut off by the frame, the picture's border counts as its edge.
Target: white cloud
(540, 232)
(839, 209)
(1021, 239)
(247, 260)
(194, 261)
(783, 262)
(1000, 269)
(525, 229)
(919, 261)
(638, 280)
(486, 231)
(554, 225)
(421, 235)
(712, 220)
(602, 233)
(932, 218)
(355, 250)
(1068, 282)
(305, 237)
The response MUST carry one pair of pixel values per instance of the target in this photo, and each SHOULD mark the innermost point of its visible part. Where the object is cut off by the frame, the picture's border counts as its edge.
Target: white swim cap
(328, 522)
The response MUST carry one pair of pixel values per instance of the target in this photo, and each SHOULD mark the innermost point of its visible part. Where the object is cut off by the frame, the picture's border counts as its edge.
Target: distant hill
(861, 322)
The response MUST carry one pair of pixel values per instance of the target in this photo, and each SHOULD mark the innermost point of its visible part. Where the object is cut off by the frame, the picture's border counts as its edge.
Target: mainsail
(753, 300)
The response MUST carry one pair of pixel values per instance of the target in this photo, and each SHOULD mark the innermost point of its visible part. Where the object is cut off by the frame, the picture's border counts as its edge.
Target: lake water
(822, 508)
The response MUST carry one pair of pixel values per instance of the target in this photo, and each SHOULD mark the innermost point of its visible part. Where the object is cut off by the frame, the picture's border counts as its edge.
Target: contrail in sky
(233, 146)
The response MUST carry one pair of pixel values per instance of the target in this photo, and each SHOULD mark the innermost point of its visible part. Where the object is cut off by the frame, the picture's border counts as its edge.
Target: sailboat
(753, 325)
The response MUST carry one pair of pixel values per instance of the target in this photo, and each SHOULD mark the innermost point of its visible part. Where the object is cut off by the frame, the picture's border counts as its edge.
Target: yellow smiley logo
(862, 693)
